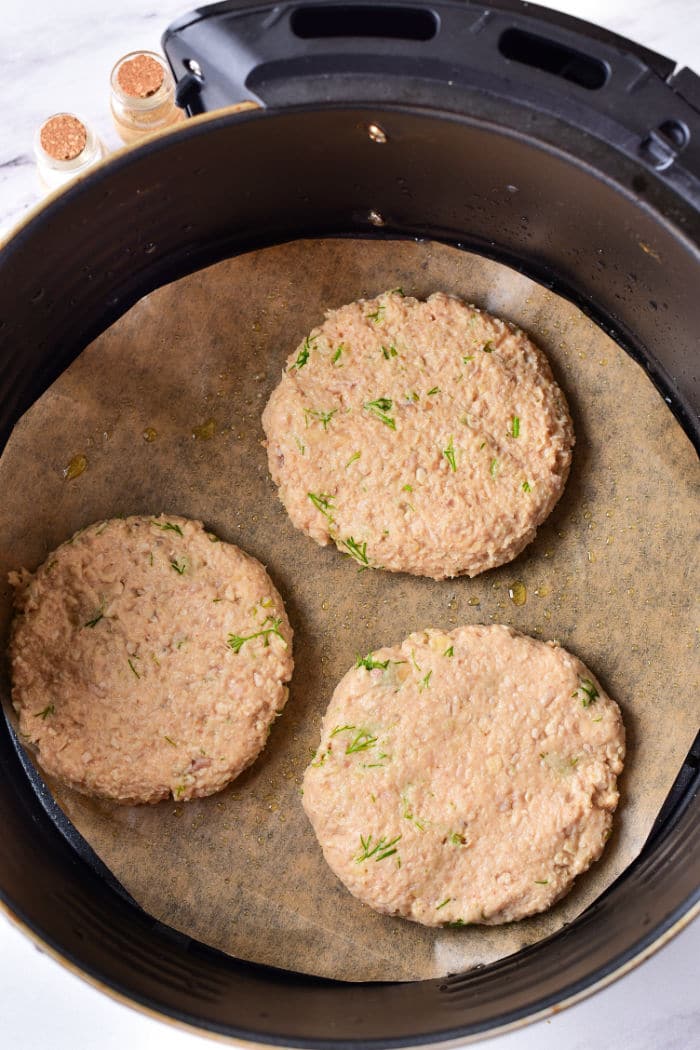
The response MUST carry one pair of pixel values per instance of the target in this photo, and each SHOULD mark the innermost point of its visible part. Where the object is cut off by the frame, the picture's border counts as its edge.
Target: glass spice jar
(65, 146)
(143, 96)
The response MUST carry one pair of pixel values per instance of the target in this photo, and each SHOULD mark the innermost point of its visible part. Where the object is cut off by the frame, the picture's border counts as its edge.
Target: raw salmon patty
(421, 437)
(465, 777)
(149, 659)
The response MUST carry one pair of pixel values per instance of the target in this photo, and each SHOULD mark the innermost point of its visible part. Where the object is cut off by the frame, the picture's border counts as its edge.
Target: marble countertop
(58, 57)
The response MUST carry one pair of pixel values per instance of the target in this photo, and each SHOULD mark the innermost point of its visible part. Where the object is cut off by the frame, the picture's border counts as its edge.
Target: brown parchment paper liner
(612, 574)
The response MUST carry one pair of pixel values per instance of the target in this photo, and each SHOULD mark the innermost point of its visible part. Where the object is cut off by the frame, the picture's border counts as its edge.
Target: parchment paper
(613, 575)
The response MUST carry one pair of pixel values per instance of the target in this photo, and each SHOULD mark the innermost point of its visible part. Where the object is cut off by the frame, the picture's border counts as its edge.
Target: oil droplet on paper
(150, 434)
(76, 467)
(205, 432)
(517, 592)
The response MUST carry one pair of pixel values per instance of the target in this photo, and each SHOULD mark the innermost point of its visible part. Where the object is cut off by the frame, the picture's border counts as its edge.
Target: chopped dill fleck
(488, 348)
(353, 459)
(413, 396)
(237, 641)
(336, 355)
(150, 558)
(456, 839)
(170, 741)
(48, 710)
(369, 663)
(398, 291)
(389, 351)
(526, 487)
(168, 526)
(322, 501)
(379, 408)
(542, 882)
(449, 454)
(356, 550)
(300, 445)
(303, 356)
(96, 619)
(433, 390)
(217, 600)
(362, 742)
(324, 418)
(467, 358)
(407, 488)
(377, 315)
(450, 651)
(590, 693)
(446, 901)
(179, 790)
(457, 922)
(342, 729)
(179, 567)
(493, 469)
(133, 668)
(425, 681)
(408, 815)
(213, 538)
(514, 431)
(380, 851)
(320, 760)
(414, 661)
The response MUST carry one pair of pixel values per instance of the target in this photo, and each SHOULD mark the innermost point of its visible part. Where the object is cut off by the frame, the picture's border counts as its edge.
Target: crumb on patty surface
(421, 437)
(465, 776)
(149, 659)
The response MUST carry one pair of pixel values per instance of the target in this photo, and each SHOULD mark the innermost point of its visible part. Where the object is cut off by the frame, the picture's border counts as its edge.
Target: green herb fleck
(356, 550)
(336, 355)
(514, 431)
(380, 851)
(379, 408)
(446, 901)
(408, 814)
(133, 668)
(449, 454)
(456, 839)
(213, 538)
(362, 742)
(493, 469)
(324, 418)
(542, 882)
(590, 693)
(342, 729)
(398, 291)
(237, 641)
(390, 351)
(407, 488)
(526, 487)
(370, 664)
(320, 760)
(353, 459)
(170, 741)
(322, 501)
(457, 922)
(377, 315)
(179, 567)
(450, 651)
(179, 790)
(433, 390)
(467, 358)
(414, 661)
(306, 349)
(425, 682)
(48, 710)
(300, 445)
(96, 619)
(488, 348)
(168, 526)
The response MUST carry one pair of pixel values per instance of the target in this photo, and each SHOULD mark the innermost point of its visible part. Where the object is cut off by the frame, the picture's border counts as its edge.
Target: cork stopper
(141, 76)
(63, 137)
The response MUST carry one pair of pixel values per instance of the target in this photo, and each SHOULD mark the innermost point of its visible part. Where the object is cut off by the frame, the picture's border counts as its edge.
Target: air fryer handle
(436, 54)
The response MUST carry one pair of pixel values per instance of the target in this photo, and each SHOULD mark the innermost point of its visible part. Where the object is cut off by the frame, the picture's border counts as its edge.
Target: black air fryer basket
(557, 148)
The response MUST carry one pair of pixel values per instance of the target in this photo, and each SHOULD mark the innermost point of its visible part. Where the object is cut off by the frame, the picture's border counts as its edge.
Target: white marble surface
(57, 54)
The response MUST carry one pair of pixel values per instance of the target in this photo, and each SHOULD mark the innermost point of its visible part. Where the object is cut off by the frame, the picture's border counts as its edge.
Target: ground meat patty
(422, 437)
(148, 659)
(466, 777)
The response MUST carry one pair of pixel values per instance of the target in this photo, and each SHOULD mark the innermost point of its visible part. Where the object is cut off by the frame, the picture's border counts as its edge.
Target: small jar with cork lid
(65, 146)
(143, 96)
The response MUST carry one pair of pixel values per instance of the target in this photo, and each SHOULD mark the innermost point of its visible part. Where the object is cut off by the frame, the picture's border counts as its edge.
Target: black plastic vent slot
(565, 62)
(389, 23)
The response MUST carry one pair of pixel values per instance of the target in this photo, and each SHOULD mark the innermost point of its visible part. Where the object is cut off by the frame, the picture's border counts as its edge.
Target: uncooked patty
(466, 777)
(422, 437)
(148, 659)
